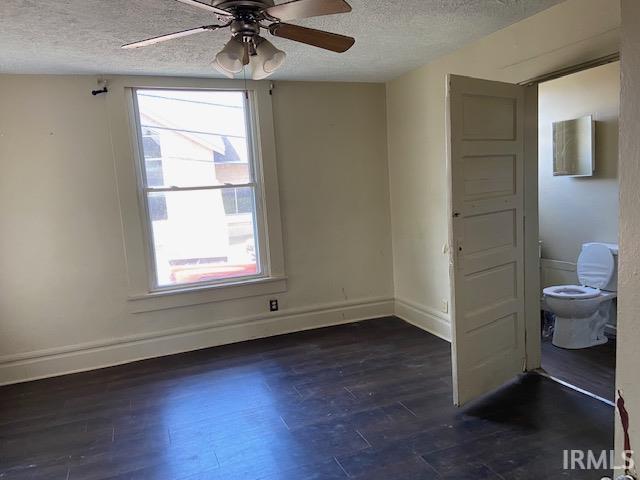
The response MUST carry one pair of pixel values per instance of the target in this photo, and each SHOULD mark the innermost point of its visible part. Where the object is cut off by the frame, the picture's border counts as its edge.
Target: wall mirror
(573, 147)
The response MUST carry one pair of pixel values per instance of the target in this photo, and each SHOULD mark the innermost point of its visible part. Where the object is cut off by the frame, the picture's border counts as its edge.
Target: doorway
(578, 206)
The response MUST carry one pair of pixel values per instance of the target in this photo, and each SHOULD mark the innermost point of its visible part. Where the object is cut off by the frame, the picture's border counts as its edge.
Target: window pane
(198, 241)
(230, 200)
(199, 137)
(238, 200)
(151, 143)
(155, 174)
(158, 207)
(245, 200)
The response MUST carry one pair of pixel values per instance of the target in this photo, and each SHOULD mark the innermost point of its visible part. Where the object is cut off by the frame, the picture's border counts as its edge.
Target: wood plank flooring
(592, 369)
(370, 400)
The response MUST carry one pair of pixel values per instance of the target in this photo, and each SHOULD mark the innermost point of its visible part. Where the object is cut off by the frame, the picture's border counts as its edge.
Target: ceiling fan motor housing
(245, 27)
(247, 15)
(232, 5)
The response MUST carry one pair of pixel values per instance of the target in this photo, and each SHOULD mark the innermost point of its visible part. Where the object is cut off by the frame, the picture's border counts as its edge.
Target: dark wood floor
(370, 401)
(592, 369)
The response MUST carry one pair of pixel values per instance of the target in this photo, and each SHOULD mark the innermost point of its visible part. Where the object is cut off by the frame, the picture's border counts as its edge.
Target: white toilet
(582, 311)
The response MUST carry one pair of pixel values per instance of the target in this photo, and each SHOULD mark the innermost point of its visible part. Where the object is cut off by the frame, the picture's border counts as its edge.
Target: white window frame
(255, 184)
(143, 293)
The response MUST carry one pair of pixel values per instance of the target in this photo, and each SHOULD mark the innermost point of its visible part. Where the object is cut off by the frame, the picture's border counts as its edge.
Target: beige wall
(629, 277)
(578, 210)
(63, 277)
(416, 133)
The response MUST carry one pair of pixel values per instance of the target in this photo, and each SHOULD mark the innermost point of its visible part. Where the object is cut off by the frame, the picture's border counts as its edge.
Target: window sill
(199, 295)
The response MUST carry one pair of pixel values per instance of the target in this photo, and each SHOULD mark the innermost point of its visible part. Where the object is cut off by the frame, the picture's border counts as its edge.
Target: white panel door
(486, 155)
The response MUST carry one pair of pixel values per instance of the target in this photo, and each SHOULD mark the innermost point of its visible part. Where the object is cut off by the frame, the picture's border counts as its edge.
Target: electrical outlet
(444, 305)
(273, 305)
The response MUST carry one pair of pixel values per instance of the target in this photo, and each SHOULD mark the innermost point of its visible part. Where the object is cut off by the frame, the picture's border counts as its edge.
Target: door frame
(533, 340)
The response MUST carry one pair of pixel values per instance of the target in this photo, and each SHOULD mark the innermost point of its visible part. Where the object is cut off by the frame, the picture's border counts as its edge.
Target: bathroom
(578, 211)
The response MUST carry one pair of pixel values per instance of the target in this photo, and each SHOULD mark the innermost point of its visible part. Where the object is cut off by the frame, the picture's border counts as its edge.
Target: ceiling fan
(246, 18)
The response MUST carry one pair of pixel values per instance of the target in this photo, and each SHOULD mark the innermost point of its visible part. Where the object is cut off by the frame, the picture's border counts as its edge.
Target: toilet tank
(612, 286)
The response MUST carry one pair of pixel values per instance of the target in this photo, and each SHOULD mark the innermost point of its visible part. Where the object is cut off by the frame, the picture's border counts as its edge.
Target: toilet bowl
(583, 311)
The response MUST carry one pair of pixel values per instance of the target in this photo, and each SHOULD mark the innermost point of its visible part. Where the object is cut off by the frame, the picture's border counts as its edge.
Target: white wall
(63, 278)
(578, 210)
(416, 134)
(629, 272)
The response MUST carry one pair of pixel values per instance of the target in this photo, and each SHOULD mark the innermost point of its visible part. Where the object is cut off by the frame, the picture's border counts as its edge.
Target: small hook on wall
(104, 89)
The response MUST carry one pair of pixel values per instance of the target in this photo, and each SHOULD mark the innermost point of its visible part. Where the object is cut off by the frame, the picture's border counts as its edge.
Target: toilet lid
(595, 266)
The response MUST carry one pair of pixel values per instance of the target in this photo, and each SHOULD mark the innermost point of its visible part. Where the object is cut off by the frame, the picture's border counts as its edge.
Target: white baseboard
(90, 356)
(423, 317)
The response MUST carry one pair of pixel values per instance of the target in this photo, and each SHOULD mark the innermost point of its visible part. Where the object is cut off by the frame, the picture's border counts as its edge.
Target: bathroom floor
(592, 369)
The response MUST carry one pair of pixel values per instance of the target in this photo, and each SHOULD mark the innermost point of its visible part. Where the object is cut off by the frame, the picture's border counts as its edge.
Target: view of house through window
(198, 185)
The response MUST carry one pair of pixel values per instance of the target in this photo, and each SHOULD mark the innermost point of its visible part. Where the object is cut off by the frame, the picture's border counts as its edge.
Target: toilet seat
(572, 292)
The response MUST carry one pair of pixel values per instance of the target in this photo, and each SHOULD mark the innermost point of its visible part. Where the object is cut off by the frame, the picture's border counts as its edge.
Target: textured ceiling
(392, 37)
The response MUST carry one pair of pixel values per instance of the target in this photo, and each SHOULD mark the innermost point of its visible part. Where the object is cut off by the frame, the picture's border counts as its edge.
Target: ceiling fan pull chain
(244, 74)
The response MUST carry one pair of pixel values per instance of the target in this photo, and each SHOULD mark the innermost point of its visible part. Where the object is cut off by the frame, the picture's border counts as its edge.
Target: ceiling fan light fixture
(257, 72)
(222, 70)
(229, 59)
(272, 58)
(266, 60)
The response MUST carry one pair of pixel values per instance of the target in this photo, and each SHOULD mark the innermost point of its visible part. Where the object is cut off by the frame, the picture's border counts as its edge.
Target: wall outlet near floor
(444, 305)
(273, 305)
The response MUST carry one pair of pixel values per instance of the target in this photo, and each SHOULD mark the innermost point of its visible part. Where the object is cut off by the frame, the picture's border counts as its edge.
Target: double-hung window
(199, 187)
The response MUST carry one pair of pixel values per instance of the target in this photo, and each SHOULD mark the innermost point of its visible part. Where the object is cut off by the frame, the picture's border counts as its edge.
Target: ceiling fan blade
(310, 36)
(307, 8)
(170, 36)
(207, 7)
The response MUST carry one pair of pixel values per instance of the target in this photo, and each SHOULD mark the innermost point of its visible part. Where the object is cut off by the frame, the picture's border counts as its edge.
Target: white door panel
(486, 155)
